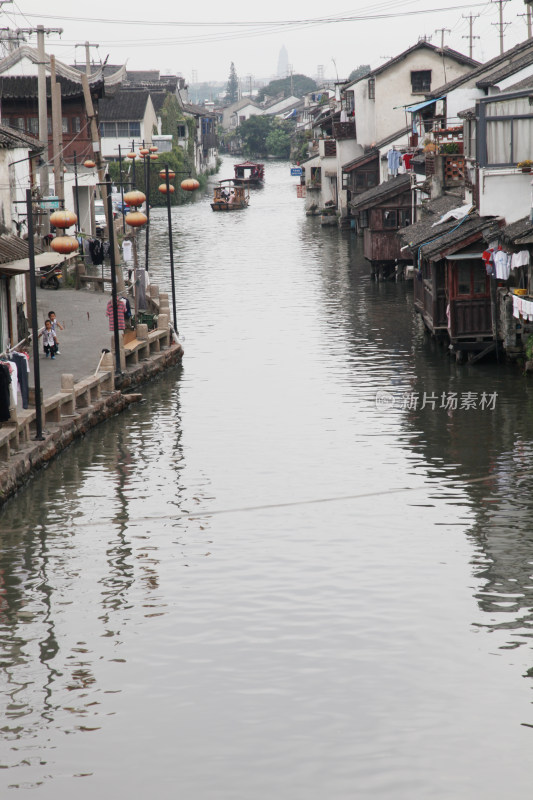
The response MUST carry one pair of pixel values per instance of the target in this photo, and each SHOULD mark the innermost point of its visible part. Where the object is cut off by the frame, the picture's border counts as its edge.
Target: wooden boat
(228, 197)
(249, 173)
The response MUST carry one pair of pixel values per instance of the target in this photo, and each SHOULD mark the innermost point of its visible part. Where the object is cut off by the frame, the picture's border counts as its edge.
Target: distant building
(283, 63)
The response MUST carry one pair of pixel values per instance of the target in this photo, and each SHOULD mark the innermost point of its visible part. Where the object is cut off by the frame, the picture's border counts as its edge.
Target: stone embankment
(81, 405)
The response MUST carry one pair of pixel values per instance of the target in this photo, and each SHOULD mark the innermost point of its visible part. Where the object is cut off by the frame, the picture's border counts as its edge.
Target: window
(75, 124)
(33, 126)
(363, 219)
(404, 217)
(49, 126)
(471, 278)
(181, 131)
(316, 176)
(371, 88)
(64, 124)
(108, 129)
(463, 278)
(390, 218)
(123, 129)
(135, 130)
(421, 80)
(479, 279)
(365, 180)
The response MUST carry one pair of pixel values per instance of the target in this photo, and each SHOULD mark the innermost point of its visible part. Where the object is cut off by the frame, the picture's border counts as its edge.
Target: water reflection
(318, 650)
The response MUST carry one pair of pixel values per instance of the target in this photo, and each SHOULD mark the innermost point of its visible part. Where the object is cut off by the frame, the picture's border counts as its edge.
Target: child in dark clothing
(49, 339)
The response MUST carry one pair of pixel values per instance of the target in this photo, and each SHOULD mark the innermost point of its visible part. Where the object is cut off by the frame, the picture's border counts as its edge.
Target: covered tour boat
(250, 173)
(229, 197)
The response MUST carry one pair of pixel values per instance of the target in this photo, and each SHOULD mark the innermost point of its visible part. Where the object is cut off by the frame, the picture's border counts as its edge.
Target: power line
(259, 23)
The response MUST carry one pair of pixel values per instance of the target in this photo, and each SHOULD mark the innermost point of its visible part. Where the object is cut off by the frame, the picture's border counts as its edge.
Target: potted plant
(525, 165)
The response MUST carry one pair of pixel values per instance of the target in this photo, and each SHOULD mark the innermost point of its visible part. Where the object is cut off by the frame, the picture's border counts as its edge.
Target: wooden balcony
(344, 130)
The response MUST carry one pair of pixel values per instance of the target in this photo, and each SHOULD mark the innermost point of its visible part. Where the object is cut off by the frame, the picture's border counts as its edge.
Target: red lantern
(163, 175)
(89, 163)
(154, 149)
(144, 151)
(131, 155)
(134, 198)
(63, 219)
(154, 156)
(190, 184)
(163, 188)
(136, 218)
(64, 244)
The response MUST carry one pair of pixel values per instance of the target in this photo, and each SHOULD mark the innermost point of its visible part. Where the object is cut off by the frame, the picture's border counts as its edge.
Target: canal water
(301, 568)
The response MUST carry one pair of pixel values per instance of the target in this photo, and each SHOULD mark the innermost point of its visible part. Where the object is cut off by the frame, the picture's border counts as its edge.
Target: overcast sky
(206, 49)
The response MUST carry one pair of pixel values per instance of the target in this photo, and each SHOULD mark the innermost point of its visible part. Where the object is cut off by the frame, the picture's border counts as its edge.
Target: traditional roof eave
(448, 52)
(64, 70)
(373, 197)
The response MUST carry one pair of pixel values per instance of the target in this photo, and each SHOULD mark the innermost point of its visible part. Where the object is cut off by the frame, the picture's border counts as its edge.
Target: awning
(22, 265)
(418, 106)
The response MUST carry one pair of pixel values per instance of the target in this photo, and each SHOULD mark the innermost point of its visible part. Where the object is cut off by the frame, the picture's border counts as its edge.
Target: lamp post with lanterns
(166, 188)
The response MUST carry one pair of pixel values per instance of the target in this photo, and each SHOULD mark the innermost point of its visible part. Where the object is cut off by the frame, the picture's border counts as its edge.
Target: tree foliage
(181, 161)
(300, 85)
(358, 72)
(254, 132)
(262, 135)
(278, 141)
(232, 87)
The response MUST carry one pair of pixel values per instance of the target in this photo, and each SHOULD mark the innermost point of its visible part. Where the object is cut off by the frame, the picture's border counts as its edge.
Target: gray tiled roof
(434, 241)
(124, 105)
(519, 56)
(25, 86)
(448, 52)
(397, 185)
(12, 248)
(11, 137)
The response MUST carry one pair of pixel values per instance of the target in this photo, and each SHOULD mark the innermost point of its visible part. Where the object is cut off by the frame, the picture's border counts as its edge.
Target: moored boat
(229, 197)
(249, 173)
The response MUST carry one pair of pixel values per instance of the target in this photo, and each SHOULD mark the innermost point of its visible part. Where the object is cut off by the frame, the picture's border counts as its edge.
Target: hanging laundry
(96, 250)
(520, 259)
(5, 392)
(407, 158)
(23, 368)
(393, 161)
(502, 265)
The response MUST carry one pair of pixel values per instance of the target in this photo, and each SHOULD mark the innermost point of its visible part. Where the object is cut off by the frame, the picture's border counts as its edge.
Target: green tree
(232, 88)
(254, 132)
(298, 85)
(361, 70)
(278, 141)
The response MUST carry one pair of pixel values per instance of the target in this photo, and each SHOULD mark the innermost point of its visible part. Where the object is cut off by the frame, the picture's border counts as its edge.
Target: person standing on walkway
(49, 339)
(55, 325)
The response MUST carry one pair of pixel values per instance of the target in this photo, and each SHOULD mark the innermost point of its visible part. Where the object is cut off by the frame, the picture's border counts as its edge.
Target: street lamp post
(34, 324)
(168, 191)
(114, 293)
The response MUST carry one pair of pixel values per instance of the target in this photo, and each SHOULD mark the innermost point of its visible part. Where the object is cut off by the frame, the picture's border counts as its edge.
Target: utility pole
(87, 46)
(501, 24)
(527, 15)
(97, 149)
(471, 37)
(57, 131)
(40, 30)
(442, 31)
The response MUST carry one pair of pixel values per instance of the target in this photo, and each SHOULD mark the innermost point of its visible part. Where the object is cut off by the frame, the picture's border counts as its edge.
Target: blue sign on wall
(296, 171)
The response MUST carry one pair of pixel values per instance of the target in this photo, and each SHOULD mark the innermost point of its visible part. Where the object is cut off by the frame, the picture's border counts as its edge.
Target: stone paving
(82, 314)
